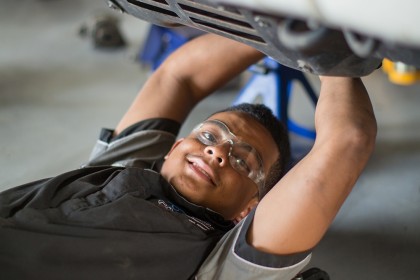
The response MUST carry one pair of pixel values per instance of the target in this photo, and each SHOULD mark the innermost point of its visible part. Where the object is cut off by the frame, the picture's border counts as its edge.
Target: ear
(174, 146)
(251, 205)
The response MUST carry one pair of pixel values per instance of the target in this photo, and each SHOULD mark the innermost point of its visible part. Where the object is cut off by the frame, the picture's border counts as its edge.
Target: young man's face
(205, 175)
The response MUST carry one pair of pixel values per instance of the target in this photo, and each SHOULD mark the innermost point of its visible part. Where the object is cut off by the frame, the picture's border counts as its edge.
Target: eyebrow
(249, 147)
(223, 126)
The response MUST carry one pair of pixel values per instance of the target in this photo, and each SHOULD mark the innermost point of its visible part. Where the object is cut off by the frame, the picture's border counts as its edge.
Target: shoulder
(142, 144)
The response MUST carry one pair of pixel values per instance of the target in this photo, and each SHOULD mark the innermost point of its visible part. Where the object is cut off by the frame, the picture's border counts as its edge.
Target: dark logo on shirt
(203, 225)
(169, 206)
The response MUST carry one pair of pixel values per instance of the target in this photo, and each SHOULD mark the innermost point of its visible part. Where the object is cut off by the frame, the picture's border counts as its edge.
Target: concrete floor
(56, 91)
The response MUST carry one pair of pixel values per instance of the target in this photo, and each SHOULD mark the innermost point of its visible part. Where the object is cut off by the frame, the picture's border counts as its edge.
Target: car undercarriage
(300, 41)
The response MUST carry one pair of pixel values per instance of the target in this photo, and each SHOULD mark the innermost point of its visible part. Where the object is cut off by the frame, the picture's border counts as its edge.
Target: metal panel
(292, 42)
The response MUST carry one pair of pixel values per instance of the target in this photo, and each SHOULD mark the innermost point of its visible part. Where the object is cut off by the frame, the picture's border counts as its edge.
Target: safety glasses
(242, 156)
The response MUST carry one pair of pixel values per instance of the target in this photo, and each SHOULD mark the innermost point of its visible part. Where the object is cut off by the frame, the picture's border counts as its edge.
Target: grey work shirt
(118, 218)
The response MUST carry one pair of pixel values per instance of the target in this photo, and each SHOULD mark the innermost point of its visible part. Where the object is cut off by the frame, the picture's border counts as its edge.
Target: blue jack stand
(162, 41)
(271, 84)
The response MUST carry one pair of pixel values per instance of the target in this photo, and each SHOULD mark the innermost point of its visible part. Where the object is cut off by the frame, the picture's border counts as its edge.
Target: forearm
(208, 62)
(344, 112)
(187, 76)
(346, 133)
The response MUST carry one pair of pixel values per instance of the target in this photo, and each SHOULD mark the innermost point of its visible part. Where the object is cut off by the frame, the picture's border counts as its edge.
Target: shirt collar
(161, 188)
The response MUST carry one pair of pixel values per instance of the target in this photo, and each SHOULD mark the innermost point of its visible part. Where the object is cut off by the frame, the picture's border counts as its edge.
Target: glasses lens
(209, 134)
(243, 157)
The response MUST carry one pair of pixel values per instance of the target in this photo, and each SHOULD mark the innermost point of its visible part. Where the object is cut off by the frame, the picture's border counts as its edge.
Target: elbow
(361, 138)
(356, 138)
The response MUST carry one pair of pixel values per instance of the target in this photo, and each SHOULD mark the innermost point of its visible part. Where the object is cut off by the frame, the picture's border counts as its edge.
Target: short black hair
(278, 131)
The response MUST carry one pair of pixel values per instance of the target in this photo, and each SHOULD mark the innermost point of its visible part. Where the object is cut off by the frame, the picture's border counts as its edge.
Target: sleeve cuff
(168, 125)
(251, 254)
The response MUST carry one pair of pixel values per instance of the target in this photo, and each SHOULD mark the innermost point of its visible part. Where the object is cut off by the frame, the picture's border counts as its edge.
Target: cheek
(237, 190)
(171, 166)
(175, 161)
(178, 153)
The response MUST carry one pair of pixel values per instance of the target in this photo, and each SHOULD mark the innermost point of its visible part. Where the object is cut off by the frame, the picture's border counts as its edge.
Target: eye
(207, 138)
(241, 165)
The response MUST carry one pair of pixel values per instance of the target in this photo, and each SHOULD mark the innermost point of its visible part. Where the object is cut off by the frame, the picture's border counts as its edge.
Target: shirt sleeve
(234, 258)
(143, 144)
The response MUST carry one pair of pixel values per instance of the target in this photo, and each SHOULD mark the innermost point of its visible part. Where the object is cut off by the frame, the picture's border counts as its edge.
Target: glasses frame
(233, 140)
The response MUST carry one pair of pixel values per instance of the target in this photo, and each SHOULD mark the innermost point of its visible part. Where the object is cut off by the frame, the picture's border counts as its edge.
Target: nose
(220, 152)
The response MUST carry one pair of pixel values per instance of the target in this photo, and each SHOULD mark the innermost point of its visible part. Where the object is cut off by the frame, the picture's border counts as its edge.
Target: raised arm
(190, 74)
(296, 213)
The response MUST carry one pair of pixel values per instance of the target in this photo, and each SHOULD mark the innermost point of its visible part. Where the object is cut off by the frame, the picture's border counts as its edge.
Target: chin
(186, 189)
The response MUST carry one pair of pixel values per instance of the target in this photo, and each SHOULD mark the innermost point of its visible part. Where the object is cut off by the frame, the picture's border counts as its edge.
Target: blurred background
(58, 88)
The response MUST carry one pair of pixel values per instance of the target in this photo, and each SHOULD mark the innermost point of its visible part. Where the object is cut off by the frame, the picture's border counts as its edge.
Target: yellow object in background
(400, 73)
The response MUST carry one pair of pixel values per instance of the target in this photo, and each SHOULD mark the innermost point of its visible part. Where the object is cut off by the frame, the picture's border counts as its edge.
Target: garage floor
(56, 91)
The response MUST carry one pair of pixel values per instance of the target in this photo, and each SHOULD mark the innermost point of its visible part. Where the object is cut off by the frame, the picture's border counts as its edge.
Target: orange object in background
(400, 73)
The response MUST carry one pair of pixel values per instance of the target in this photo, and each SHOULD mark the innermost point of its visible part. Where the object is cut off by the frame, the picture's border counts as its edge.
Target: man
(148, 207)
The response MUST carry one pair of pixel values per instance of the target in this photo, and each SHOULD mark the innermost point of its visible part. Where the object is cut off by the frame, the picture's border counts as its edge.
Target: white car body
(389, 20)
(323, 37)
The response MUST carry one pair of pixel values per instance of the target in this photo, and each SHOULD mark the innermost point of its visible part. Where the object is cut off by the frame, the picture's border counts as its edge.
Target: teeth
(202, 170)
